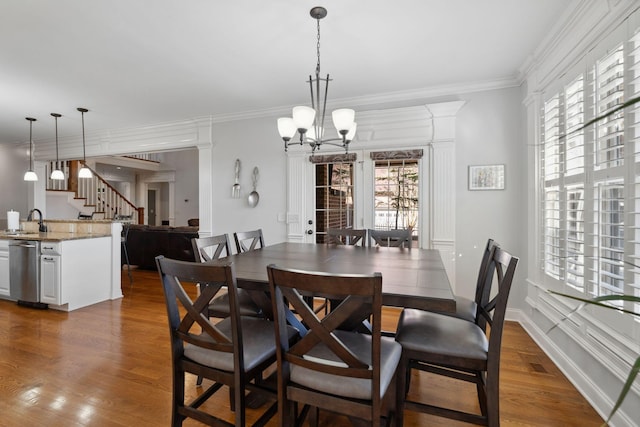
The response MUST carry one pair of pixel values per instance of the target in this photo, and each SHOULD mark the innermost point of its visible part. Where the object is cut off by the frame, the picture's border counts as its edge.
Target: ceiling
(140, 62)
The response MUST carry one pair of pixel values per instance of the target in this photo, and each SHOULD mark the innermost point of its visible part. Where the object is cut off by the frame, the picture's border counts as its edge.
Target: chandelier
(309, 122)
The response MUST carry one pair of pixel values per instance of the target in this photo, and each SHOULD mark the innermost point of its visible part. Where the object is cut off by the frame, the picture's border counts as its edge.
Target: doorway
(334, 204)
(151, 207)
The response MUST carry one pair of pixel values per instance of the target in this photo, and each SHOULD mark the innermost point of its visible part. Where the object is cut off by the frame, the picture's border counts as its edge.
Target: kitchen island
(78, 263)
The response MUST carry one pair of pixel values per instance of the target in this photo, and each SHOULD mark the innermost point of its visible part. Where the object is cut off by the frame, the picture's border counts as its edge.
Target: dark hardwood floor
(109, 365)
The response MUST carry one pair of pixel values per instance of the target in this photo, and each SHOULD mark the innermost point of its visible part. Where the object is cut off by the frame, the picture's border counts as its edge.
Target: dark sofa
(145, 242)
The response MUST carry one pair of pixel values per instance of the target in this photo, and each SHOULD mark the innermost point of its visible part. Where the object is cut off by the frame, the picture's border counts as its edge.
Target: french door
(334, 197)
(378, 190)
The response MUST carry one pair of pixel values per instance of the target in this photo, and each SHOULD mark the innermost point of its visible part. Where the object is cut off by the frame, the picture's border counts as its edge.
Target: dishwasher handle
(25, 245)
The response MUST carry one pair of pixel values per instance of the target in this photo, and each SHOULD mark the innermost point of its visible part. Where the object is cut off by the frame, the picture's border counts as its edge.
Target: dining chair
(459, 349)
(466, 308)
(211, 248)
(332, 367)
(248, 240)
(390, 238)
(346, 236)
(233, 352)
(124, 236)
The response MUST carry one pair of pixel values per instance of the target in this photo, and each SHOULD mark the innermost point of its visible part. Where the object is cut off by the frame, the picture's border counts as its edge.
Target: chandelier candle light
(84, 171)
(57, 173)
(309, 121)
(30, 175)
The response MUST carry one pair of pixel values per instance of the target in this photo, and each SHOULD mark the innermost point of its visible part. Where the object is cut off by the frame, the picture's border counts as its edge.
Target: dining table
(411, 277)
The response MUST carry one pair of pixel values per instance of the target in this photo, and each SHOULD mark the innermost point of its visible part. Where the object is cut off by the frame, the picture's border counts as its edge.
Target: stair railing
(97, 193)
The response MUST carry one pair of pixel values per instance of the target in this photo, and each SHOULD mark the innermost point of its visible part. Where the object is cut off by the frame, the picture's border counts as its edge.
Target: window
(334, 194)
(590, 178)
(396, 190)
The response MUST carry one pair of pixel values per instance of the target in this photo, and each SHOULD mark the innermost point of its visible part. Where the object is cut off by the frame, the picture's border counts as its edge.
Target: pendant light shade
(84, 171)
(286, 128)
(57, 173)
(30, 175)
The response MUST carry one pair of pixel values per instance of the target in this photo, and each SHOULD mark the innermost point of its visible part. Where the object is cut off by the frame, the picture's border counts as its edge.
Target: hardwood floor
(109, 365)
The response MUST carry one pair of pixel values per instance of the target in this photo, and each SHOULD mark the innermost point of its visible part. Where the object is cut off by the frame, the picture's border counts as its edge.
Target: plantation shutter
(633, 137)
(552, 152)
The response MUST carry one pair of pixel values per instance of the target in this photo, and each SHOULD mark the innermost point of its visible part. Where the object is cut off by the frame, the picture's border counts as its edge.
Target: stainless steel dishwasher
(24, 272)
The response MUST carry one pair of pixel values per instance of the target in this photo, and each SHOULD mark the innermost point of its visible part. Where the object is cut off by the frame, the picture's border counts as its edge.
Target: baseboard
(599, 400)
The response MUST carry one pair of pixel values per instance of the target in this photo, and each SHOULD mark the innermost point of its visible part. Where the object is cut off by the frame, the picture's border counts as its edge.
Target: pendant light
(84, 171)
(30, 175)
(309, 122)
(57, 173)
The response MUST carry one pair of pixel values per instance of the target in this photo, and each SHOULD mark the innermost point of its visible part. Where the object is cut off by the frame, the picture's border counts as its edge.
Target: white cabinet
(76, 273)
(50, 273)
(5, 289)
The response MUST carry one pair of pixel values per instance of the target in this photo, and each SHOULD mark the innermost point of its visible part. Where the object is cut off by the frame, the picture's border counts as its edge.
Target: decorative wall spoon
(254, 197)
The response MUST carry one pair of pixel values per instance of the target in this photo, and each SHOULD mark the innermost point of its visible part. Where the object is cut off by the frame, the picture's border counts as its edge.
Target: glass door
(334, 198)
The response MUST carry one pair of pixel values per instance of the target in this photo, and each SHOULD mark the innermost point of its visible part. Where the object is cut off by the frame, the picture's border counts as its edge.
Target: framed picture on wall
(486, 177)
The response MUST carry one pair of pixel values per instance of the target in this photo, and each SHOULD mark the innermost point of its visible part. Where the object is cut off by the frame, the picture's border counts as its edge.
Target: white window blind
(552, 236)
(552, 149)
(590, 178)
(609, 83)
(633, 138)
(574, 102)
(608, 277)
(551, 134)
(575, 237)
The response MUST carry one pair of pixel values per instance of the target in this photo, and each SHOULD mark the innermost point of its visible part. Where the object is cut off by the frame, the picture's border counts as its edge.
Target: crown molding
(158, 137)
(582, 25)
(416, 96)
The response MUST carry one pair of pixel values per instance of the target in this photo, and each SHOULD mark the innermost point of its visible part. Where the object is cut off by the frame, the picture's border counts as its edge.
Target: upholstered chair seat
(257, 337)
(356, 388)
(442, 336)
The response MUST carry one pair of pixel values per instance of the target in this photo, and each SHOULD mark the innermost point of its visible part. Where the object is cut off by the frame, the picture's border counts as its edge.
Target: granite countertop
(51, 236)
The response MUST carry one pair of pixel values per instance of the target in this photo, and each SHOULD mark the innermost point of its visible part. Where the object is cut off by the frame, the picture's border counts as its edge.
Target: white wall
(256, 143)
(15, 193)
(185, 165)
(488, 131)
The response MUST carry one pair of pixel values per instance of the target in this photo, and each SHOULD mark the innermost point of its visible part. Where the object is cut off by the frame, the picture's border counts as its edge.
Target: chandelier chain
(318, 49)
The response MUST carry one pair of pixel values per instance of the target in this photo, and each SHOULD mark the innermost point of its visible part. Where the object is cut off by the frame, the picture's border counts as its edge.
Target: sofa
(145, 242)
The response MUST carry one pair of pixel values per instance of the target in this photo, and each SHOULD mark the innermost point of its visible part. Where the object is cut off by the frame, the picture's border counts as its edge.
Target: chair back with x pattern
(211, 279)
(210, 248)
(390, 238)
(346, 236)
(327, 368)
(216, 351)
(253, 238)
(496, 268)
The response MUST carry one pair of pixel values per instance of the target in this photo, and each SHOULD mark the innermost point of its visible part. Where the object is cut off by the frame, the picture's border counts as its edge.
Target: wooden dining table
(414, 278)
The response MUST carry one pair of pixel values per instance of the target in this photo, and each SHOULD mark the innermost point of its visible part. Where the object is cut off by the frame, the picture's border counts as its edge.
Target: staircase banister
(111, 187)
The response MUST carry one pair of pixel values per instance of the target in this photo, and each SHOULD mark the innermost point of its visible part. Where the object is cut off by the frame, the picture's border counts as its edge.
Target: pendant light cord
(30, 144)
(57, 157)
(84, 149)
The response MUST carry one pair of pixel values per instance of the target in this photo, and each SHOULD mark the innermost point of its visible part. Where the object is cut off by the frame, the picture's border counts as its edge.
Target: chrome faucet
(41, 227)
